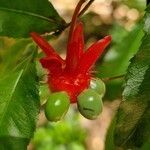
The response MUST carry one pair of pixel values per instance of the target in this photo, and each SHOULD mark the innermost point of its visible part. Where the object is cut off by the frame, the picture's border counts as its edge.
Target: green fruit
(90, 104)
(57, 106)
(98, 85)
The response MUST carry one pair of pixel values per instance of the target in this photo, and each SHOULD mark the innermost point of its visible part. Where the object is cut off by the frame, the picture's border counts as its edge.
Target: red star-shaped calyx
(74, 73)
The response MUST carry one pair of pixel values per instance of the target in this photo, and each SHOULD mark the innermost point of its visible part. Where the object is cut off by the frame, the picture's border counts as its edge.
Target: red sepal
(75, 48)
(44, 45)
(92, 54)
(53, 64)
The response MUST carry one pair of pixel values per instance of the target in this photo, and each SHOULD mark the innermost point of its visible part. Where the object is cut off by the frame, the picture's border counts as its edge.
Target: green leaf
(114, 89)
(14, 51)
(146, 145)
(125, 45)
(14, 54)
(109, 144)
(19, 18)
(19, 103)
(119, 55)
(132, 129)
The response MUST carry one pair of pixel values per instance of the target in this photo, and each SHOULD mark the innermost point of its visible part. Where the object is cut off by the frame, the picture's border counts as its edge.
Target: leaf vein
(29, 14)
(11, 95)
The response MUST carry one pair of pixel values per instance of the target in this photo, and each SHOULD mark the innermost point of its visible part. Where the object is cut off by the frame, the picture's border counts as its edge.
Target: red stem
(85, 8)
(74, 18)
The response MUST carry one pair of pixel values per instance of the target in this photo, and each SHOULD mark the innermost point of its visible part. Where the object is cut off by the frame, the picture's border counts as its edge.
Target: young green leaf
(19, 106)
(19, 18)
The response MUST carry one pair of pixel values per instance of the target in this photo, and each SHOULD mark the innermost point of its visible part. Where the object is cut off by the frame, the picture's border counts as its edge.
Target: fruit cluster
(71, 80)
(89, 102)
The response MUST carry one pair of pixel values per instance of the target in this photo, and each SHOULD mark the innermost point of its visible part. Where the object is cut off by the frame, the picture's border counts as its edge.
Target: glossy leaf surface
(19, 103)
(19, 18)
(132, 127)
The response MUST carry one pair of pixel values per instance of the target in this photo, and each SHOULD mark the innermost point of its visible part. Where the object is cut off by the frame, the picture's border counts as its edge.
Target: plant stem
(82, 11)
(74, 18)
(85, 8)
(77, 13)
(113, 78)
